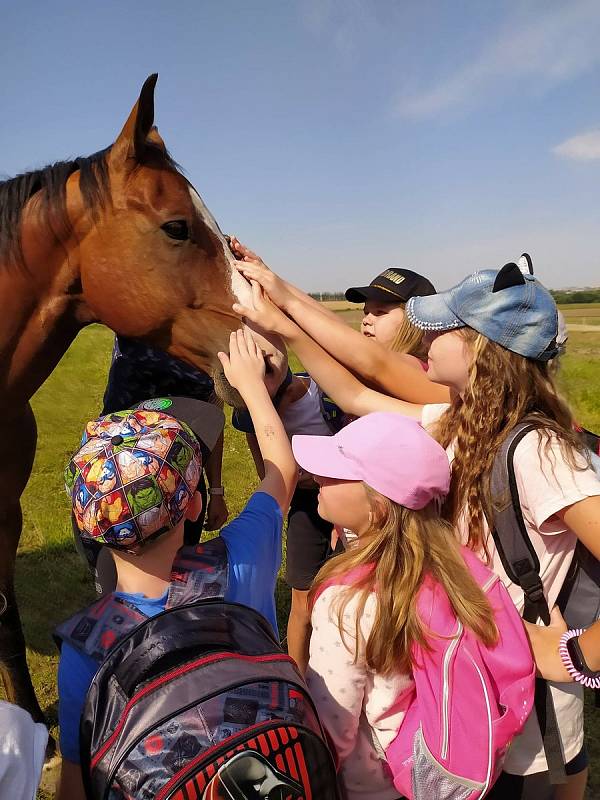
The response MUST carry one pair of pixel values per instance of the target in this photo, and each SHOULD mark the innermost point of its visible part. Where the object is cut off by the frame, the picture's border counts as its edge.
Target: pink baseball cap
(391, 453)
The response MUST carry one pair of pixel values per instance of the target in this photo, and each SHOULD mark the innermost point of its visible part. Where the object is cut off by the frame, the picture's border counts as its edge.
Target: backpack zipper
(221, 690)
(194, 604)
(489, 716)
(208, 601)
(181, 670)
(446, 689)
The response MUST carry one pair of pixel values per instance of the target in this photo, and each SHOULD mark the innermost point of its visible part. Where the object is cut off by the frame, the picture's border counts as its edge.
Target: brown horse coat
(120, 238)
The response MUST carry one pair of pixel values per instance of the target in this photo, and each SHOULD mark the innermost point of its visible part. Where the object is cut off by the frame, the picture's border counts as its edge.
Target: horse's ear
(138, 132)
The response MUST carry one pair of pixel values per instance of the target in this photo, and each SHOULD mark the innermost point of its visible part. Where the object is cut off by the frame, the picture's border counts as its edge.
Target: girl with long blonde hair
(385, 478)
(491, 341)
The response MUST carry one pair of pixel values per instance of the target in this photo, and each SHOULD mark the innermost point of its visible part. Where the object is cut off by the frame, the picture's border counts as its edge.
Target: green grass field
(51, 580)
(582, 313)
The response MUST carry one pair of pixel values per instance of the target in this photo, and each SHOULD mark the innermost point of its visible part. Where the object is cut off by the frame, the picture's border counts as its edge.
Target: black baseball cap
(392, 286)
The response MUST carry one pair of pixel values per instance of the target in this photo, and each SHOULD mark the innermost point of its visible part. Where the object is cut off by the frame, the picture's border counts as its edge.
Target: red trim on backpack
(291, 763)
(175, 674)
(202, 756)
(263, 744)
(303, 771)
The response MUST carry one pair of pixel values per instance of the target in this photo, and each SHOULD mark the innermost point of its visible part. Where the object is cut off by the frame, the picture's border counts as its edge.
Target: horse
(120, 237)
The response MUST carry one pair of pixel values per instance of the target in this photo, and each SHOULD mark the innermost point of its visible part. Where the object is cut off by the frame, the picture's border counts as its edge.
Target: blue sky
(338, 137)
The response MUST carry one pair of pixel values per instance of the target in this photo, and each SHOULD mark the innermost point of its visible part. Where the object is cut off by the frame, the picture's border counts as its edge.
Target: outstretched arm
(275, 284)
(245, 370)
(347, 391)
(394, 373)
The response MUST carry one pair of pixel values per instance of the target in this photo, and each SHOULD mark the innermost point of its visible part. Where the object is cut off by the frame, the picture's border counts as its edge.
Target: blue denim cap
(510, 308)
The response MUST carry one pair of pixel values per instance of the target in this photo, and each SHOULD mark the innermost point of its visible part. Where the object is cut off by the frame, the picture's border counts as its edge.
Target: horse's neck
(38, 322)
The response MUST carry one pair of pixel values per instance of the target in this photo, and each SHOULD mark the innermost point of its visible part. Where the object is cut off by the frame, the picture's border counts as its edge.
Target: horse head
(153, 263)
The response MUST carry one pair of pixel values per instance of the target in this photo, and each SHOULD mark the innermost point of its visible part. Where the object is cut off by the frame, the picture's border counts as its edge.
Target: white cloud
(539, 49)
(584, 147)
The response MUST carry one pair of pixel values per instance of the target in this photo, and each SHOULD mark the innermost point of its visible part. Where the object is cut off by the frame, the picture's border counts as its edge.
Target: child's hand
(265, 314)
(241, 252)
(216, 513)
(253, 268)
(244, 367)
(544, 641)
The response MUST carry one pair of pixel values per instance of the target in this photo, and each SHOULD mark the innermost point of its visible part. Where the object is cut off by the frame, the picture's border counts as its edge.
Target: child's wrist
(255, 393)
(574, 661)
(292, 303)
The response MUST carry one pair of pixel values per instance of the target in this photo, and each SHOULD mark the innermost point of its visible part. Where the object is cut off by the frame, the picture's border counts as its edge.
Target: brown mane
(51, 181)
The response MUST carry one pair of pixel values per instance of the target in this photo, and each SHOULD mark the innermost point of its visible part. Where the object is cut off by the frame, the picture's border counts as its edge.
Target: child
(384, 477)
(299, 402)
(143, 541)
(492, 337)
(138, 371)
(395, 372)
(384, 319)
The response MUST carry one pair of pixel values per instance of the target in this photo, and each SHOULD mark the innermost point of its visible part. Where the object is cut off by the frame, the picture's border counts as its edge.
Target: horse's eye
(177, 229)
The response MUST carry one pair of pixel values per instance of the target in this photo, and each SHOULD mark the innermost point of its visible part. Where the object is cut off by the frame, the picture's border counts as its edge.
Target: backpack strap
(199, 572)
(95, 630)
(591, 440)
(521, 563)
(508, 529)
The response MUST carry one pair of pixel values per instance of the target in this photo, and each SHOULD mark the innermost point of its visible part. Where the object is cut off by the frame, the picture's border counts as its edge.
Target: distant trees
(561, 296)
(577, 296)
(328, 295)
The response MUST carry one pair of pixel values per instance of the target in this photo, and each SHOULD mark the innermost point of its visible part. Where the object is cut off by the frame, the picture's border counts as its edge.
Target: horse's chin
(225, 391)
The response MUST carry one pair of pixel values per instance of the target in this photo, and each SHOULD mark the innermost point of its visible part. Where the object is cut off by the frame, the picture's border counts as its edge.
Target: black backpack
(199, 701)
(579, 598)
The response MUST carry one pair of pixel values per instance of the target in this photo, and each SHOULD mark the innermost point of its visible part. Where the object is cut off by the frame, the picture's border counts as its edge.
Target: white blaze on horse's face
(239, 285)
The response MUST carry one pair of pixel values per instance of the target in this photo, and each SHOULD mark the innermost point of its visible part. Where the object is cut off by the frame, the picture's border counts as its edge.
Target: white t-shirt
(545, 487)
(304, 416)
(354, 703)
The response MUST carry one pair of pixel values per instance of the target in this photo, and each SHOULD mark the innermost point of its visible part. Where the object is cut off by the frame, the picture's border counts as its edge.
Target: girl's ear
(509, 275)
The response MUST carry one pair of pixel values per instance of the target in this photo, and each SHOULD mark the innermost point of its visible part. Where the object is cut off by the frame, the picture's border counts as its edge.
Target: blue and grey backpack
(199, 701)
